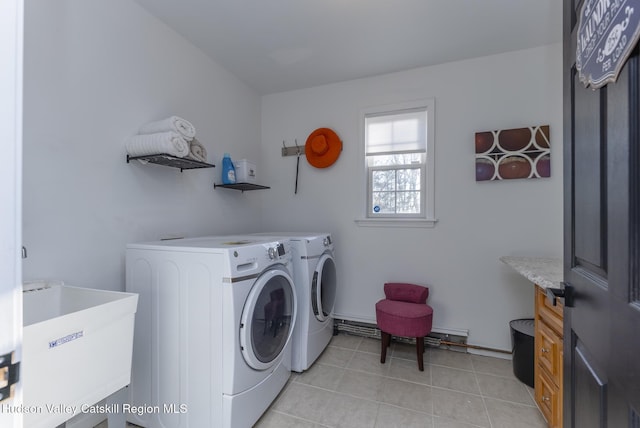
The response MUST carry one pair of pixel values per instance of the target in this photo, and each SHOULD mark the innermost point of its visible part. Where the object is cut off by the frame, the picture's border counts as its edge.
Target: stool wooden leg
(386, 340)
(420, 351)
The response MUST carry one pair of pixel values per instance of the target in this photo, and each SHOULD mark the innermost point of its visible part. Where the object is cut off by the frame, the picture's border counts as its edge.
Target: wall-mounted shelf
(172, 161)
(241, 186)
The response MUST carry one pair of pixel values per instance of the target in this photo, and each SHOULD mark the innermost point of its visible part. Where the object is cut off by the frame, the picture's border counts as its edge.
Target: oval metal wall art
(513, 153)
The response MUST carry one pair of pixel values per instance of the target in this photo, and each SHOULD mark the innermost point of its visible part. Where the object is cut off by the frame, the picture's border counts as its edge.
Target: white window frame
(427, 216)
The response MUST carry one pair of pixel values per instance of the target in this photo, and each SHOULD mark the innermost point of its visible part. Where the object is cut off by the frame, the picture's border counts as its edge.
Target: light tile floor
(348, 387)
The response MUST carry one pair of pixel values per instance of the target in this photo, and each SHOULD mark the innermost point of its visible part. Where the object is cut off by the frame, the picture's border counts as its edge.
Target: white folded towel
(197, 151)
(170, 143)
(173, 123)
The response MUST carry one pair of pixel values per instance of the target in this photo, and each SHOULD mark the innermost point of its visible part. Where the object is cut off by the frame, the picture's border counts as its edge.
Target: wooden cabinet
(548, 358)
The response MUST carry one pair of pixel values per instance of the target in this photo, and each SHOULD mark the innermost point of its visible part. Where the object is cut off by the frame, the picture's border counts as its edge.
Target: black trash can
(522, 337)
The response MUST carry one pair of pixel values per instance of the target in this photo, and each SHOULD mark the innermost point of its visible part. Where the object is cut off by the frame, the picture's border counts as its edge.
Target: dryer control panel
(252, 257)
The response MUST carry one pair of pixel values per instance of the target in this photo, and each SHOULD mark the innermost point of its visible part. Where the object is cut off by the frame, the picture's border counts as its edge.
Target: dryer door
(323, 287)
(267, 319)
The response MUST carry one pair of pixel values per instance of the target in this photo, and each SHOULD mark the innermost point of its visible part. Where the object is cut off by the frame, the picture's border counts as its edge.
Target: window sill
(395, 222)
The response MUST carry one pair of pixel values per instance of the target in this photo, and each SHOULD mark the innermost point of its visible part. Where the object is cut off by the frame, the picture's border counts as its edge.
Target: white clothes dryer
(212, 340)
(314, 273)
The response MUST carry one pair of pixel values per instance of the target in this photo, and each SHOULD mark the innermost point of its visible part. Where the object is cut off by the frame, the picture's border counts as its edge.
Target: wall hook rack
(292, 151)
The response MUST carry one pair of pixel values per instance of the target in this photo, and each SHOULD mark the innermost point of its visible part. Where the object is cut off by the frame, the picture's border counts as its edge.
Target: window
(398, 143)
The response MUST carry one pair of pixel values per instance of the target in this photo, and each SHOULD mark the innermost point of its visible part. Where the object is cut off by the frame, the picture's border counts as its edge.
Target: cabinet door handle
(545, 350)
(545, 398)
(553, 294)
(566, 292)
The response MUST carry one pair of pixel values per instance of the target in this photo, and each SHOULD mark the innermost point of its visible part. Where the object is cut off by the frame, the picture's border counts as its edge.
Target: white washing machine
(212, 341)
(316, 285)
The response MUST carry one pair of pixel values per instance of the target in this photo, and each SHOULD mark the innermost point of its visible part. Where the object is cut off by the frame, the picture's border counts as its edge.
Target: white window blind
(402, 132)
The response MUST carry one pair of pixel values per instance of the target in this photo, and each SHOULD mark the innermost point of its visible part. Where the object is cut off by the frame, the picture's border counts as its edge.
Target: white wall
(478, 222)
(94, 72)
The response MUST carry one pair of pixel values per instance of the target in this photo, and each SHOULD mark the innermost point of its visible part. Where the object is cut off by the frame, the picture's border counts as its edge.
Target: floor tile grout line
(430, 415)
(378, 402)
(406, 408)
(350, 358)
(441, 365)
(474, 370)
(484, 402)
(495, 375)
(387, 376)
(481, 395)
(301, 419)
(502, 400)
(486, 409)
(465, 423)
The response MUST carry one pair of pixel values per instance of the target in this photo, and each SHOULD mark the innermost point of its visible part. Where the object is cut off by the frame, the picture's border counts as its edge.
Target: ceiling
(280, 45)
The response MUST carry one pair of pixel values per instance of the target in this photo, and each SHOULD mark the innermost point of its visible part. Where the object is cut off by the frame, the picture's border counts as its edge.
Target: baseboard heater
(438, 338)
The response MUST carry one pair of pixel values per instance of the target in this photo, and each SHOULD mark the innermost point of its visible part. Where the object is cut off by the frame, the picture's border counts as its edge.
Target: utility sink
(76, 349)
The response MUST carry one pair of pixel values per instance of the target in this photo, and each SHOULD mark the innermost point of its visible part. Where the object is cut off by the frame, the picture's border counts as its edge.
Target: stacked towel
(173, 123)
(169, 142)
(197, 151)
(173, 136)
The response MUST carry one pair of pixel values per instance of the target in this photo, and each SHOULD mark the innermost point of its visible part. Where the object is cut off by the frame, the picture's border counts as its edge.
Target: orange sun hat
(322, 147)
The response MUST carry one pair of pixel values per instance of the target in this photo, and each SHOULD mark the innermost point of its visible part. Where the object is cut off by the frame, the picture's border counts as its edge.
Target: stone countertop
(541, 271)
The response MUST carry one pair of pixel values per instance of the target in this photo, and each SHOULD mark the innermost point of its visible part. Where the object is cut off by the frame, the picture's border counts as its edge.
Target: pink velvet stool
(404, 313)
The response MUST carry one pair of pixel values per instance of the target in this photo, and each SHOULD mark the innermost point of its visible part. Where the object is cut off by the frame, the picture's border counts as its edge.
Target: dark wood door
(602, 243)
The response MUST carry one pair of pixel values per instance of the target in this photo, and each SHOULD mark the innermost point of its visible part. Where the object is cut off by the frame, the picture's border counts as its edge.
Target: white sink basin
(76, 349)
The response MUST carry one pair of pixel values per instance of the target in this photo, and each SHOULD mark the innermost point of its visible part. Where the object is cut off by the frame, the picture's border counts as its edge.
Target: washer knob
(273, 253)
